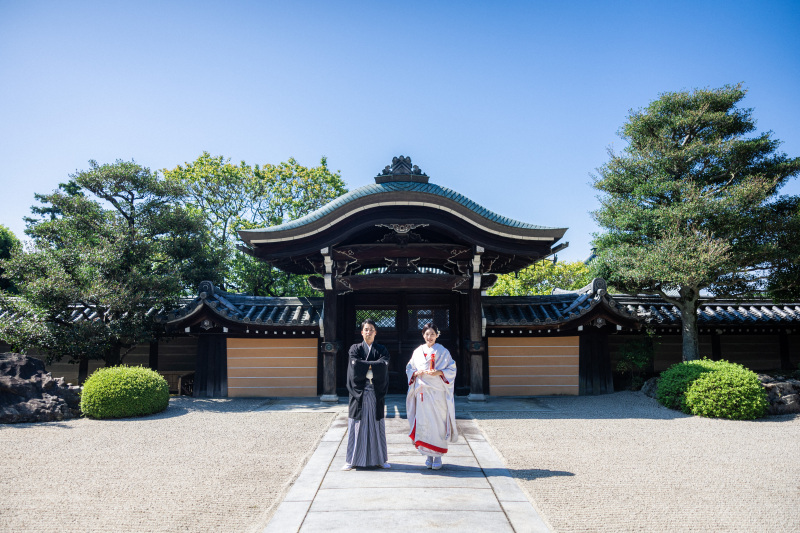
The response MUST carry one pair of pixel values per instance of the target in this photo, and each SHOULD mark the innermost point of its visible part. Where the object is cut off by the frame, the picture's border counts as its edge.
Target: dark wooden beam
(783, 342)
(475, 347)
(405, 281)
(330, 347)
(365, 253)
(594, 363)
(211, 367)
(716, 347)
(153, 356)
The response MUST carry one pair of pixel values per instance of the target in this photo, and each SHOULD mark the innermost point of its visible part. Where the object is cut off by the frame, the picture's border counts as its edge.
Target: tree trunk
(83, 370)
(112, 356)
(691, 338)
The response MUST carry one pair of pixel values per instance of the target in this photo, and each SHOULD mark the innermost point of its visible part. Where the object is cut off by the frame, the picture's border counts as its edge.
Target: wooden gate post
(330, 347)
(475, 347)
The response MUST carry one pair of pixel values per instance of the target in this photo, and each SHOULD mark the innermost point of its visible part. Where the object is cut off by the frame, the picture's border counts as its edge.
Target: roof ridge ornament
(401, 170)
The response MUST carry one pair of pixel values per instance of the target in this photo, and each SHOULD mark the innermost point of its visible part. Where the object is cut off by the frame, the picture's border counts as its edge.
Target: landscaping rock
(785, 405)
(28, 393)
(650, 387)
(783, 394)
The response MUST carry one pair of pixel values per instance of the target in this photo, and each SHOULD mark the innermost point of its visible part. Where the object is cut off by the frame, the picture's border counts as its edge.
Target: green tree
(692, 205)
(102, 263)
(234, 197)
(8, 244)
(542, 278)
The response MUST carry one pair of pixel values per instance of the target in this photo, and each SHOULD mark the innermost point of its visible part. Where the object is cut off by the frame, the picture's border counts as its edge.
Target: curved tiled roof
(563, 306)
(399, 186)
(551, 310)
(247, 310)
(655, 311)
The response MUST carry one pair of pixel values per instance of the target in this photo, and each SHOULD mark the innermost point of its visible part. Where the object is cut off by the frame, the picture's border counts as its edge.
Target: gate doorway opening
(399, 318)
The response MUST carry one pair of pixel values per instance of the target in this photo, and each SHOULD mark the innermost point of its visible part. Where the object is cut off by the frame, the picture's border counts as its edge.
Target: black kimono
(357, 368)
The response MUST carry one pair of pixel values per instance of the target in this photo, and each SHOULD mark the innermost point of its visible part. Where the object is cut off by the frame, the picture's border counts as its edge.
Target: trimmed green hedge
(123, 391)
(717, 389)
(734, 393)
(675, 382)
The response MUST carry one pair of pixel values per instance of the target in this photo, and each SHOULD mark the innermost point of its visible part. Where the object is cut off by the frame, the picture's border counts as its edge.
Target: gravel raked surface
(201, 465)
(621, 462)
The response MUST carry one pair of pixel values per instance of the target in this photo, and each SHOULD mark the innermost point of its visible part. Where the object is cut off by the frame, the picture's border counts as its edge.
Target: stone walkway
(472, 492)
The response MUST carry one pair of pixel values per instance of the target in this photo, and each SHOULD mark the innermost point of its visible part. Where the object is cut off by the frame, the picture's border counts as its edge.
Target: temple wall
(533, 366)
(175, 358)
(272, 367)
(794, 350)
(755, 351)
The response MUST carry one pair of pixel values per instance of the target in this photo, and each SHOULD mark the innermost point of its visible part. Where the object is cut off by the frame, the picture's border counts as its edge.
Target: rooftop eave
(339, 211)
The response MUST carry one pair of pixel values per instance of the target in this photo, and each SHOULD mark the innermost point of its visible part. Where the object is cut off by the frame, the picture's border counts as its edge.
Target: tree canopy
(8, 244)
(692, 204)
(542, 278)
(233, 197)
(108, 252)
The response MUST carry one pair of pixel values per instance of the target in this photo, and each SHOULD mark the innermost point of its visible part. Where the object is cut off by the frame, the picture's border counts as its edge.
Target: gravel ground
(612, 463)
(622, 462)
(202, 465)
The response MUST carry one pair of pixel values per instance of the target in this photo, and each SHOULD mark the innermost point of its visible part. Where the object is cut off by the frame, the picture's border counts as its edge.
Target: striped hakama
(366, 438)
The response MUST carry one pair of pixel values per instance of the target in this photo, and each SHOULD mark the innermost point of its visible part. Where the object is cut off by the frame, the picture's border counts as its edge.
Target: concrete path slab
(403, 521)
(472, 492)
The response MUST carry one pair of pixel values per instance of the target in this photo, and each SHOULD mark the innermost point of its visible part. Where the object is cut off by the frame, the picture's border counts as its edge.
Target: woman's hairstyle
(430, 325)
(370, 322)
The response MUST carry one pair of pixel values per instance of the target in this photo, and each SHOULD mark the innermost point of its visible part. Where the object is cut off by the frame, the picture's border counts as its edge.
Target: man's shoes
(347, 466)
(437, 463)
(428, 461)
(386, 465)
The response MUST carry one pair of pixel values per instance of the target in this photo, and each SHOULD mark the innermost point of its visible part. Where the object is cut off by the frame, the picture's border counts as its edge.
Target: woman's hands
(428, 373)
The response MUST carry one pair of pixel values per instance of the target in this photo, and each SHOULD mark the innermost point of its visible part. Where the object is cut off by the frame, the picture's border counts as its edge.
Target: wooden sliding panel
(533, 366)
(272, 367)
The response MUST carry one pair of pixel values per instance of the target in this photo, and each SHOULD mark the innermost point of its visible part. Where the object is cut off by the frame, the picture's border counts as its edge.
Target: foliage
(692, 205)
(675, 381)
(634, 358)
(47, 210)
(542, 278)
(235, 197)
(104, 260)
(730, 391)
(123, 391)
(8, 244)
(713, 389)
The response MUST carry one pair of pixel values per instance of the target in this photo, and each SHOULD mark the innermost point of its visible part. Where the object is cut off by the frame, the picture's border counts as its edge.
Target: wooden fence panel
(533, 366)
(272, 367)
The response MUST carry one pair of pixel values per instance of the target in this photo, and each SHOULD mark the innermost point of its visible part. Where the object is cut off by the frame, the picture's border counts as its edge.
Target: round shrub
(123, 391)
(730, 391)
(675, 381)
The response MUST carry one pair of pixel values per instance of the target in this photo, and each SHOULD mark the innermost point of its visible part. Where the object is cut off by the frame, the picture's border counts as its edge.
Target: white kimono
(429, 403)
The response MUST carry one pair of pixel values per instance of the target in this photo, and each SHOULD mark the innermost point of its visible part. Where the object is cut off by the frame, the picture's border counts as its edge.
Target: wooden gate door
(399, 318)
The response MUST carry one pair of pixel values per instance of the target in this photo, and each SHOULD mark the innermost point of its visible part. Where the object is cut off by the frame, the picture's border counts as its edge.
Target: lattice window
(384, 318)
(420, 316)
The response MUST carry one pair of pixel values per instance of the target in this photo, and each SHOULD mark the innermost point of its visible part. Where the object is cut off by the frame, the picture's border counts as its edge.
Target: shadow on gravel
(616, 406)
(624, 405)
(184, 405)
(526, 473)
(58, 424)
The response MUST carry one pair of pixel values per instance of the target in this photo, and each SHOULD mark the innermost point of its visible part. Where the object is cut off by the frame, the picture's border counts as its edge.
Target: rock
(783, 394)
(788, 404)
(28, 393)
(650, 387)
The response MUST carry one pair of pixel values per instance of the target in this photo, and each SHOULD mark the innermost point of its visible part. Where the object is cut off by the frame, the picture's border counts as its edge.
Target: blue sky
(513, 104)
